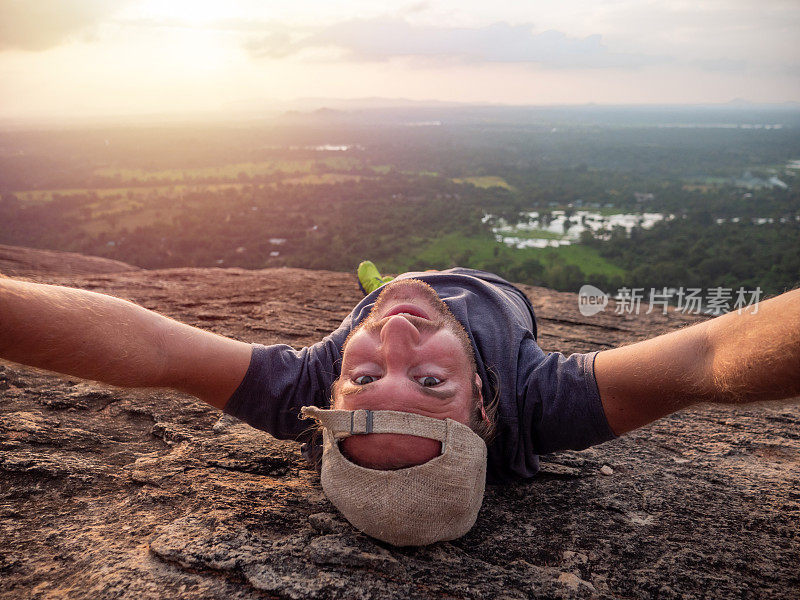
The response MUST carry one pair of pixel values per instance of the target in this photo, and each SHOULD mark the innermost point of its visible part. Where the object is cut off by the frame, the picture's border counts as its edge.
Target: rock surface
(28, 261)
(108, 493)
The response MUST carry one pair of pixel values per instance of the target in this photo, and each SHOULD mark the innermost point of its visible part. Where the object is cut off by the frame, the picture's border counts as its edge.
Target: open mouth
(406, 309)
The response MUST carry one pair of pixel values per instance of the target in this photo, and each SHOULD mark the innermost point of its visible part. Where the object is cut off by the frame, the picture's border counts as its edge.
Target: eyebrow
(352, 390)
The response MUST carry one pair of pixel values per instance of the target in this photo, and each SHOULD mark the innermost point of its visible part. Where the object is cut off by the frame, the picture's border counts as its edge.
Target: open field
(230, 171)
(131, 192)
(111, 223)
(532, 234)
(586, 258)
(607, 211)
(485, 181)
(321, 179)
(453, 249)
(483, 252)
(176, 190)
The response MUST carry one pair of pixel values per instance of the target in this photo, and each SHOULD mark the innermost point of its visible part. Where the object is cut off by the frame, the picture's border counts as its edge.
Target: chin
(388, 451)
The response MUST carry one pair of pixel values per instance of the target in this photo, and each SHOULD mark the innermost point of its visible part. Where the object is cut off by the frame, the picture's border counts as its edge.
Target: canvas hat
(435, 501)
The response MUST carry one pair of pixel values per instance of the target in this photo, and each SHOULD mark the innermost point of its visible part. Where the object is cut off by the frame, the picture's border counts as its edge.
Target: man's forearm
(99, 337)
(732, 358)
(80, 333)
(756, 355)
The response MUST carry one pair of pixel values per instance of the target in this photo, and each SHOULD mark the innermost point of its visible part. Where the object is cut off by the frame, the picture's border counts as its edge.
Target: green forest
(326, 190)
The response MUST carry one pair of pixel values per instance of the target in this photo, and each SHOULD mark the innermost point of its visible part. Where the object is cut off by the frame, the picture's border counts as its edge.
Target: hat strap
(344, 423)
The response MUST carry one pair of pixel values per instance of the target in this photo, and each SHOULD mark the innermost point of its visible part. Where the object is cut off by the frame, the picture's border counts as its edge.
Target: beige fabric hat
(435, 501)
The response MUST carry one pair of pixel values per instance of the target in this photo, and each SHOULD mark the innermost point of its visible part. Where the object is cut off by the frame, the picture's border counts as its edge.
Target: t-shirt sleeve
(561, 407)
(280, 380)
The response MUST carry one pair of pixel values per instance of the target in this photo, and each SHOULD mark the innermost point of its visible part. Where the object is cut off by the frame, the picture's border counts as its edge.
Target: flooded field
(557, 228)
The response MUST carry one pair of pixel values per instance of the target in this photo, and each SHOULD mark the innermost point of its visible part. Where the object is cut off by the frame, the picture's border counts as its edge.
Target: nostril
(399, 328)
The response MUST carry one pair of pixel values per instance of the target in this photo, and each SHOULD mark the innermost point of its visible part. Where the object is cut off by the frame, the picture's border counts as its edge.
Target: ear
(479, 385)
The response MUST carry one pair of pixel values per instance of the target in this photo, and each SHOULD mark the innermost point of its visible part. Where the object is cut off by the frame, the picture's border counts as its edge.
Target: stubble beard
(396, 292)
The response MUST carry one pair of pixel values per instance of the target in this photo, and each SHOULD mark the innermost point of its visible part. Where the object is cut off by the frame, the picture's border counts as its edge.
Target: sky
(83, 58)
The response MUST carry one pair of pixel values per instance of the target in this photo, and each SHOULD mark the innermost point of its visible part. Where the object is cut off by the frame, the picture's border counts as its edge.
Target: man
(423, 372)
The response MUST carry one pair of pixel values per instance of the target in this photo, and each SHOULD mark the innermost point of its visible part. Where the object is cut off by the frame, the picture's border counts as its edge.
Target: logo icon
(591, 300)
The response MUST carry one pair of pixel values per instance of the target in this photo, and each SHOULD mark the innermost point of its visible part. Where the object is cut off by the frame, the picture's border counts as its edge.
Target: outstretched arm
(99, 337)
(733, 358)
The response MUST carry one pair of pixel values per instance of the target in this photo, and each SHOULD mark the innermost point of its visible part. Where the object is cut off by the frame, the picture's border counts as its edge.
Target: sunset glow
(98, 57)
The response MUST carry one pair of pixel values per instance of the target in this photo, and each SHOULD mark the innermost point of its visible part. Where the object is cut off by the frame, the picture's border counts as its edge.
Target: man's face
(411, 355)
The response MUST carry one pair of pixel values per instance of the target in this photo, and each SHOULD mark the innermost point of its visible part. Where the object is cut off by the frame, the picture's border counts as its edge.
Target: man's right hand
(99, 337)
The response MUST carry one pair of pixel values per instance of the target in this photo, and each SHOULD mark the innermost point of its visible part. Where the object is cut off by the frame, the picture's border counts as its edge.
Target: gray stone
(358, 552)
(329, 523)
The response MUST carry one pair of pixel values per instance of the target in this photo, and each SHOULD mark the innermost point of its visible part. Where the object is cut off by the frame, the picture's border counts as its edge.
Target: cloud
(417, 7)
(722, 65)
(740, 30)
(234, 25)
(386, 38)
(41, 24)
(277, 44)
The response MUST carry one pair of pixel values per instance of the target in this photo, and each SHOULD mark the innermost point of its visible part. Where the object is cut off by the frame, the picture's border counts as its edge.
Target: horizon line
(272, 108)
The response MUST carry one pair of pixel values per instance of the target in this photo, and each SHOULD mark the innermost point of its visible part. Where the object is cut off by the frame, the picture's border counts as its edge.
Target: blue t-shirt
(546, 402)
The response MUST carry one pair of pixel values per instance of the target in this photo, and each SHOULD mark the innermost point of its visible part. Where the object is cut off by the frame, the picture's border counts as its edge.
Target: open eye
(364, 379)
(429, 381)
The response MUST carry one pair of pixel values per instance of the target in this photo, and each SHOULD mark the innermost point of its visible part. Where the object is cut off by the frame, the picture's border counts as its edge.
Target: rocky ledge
(107, 493)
